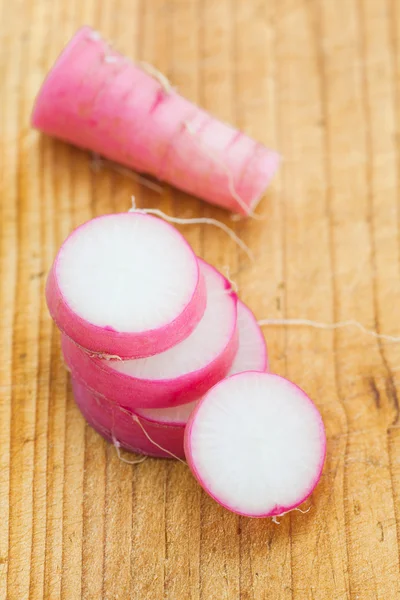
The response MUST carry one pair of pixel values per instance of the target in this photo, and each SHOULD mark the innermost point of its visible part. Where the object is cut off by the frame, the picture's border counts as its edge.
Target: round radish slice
(250, 356)
(178, 375)
(126, 285)
(256, 444)
(124, 429)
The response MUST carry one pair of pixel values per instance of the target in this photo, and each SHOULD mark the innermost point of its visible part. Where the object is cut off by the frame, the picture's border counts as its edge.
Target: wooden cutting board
(319, 81)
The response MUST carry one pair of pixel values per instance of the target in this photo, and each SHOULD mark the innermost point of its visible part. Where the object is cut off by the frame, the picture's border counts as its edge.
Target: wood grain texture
(318, 80)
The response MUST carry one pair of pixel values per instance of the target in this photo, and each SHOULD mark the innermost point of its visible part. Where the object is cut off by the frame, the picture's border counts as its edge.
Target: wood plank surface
(319, 81)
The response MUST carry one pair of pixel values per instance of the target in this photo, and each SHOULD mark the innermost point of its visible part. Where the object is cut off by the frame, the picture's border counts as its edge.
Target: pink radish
(99, 100)
(124, 429)
(126, 285)
(251, 356)
(165, 426)
(177, 375)
(256, 444)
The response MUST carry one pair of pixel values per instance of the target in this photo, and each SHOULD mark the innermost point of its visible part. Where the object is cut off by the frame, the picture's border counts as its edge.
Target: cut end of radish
(259, 174)
(256, 443)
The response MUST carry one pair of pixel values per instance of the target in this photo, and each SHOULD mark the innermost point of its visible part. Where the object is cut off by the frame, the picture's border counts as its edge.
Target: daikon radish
(126, 285)
(97, 99)
(177, 375)
(256, 444)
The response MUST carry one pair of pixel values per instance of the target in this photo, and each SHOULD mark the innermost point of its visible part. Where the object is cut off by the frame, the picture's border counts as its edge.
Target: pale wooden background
(318, 80)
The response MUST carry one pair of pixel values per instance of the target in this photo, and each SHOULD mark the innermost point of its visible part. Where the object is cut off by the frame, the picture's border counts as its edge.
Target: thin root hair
(156, 74)
(136, 419)
(328, 326)
(117, 447)
(197, 220)
(231, 186)
(303, 512)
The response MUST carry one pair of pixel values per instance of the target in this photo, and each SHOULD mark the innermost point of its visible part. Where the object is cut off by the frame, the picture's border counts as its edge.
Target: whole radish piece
(97, 99)
(126, 285)
(256, 443)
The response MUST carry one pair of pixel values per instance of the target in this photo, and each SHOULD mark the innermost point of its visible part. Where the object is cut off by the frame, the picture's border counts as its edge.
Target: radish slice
(256, 444)
(122, 428)
(177, 375)
(126, 285)
(251, 355)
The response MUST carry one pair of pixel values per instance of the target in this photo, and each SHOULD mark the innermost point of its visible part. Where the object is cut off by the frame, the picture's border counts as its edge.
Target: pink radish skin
(165, 426)
(126, 285)
(251, 356)
(256, 444)
(99, 100)
(118, 426)
(177, 375)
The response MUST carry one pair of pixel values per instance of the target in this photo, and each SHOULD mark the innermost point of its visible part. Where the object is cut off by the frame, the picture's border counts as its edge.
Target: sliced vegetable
(126, 285)
(256, 444)
(181, 373)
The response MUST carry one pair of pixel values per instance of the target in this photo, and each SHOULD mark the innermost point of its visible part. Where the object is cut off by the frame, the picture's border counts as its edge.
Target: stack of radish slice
(166, 361)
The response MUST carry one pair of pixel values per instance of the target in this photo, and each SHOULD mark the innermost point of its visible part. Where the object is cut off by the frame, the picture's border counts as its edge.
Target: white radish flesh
(251, 355)
(256, 443)
(126, 285)
(178, 375)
